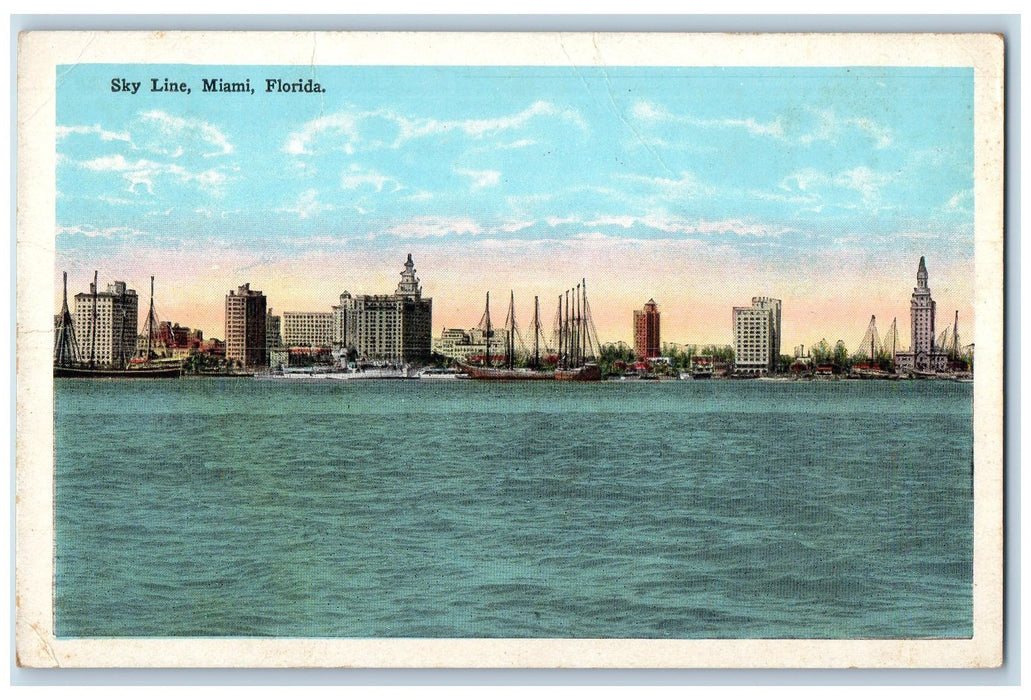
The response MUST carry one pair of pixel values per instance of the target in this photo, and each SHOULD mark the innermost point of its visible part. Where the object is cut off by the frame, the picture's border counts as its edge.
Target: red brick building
(646, 331)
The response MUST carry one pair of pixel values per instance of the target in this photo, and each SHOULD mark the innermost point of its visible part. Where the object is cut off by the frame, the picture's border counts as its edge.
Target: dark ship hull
(501, 374)
(99, 373)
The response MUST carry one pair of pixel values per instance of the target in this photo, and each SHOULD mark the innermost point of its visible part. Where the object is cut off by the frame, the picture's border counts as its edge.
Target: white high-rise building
(386, 327)
(110, 339)
(757, 335)
(312, 329)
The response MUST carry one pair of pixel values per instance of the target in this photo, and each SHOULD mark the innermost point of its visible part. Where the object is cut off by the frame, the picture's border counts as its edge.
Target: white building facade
(110, 337)
(464, 345)
(385, 327)
(757, 333)
(313, 329)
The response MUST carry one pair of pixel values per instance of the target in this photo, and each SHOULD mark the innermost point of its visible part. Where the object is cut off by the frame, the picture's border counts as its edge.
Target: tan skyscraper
(922, 355)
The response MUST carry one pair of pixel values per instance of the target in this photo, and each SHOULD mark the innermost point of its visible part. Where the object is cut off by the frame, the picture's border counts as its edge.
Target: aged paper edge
(41, 52)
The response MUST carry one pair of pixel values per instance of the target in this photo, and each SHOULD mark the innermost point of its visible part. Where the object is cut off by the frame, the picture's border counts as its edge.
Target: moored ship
(573, 358)
(68, 356)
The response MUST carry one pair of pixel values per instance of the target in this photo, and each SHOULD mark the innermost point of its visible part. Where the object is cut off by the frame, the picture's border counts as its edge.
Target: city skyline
(524, 327)
(698, 187)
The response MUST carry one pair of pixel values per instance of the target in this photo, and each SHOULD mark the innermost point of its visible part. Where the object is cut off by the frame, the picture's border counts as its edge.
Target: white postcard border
(41, 52)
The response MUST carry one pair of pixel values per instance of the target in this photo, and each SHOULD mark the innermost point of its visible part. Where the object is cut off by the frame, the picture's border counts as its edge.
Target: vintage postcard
(509, 350)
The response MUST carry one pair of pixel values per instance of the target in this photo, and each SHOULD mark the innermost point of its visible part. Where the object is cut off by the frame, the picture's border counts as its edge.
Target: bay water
(694, 509)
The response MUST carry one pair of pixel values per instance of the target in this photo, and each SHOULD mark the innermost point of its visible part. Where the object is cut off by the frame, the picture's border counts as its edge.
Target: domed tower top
(921, 274)
(409, 285)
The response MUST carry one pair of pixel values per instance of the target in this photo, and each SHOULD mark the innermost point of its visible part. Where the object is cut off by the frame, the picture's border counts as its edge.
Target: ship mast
(93, 322)
(578, 332)
(65, 348)
(955, 337)
(586, 337)
(568, 328)
(510, 341)
(150, 321)
(536, 333)
(872, 319)
(486, 313)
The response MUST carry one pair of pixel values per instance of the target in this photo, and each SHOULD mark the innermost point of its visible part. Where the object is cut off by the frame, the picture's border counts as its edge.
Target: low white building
(464, 345)
(311, 329)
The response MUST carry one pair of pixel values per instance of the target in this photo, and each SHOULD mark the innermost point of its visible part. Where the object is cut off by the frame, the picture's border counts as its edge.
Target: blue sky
(700, 187)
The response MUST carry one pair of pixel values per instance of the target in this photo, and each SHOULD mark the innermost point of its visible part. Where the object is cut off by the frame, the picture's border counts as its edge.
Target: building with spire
(393, 328)
(646, 331)
(923, 356)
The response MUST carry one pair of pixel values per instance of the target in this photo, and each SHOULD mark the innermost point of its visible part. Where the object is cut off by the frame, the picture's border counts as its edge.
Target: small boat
(362, 372)
(442, 374)
(335, 373)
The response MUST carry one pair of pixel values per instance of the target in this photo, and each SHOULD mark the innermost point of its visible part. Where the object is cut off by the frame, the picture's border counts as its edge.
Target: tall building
(922, 355)
(757, 334)
(386, 327)
(110, 338)
(245, 327)
(312, 329)
(646, 331)
(273, 331)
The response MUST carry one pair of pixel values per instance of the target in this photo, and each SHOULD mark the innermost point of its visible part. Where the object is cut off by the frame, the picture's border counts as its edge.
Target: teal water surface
(709, 509)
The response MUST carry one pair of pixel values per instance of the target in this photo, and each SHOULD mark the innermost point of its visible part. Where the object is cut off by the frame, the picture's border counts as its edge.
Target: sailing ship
(69, 360)
(576, 342)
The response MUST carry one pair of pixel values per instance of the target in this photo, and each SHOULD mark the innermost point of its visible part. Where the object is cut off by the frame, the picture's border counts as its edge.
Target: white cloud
(187, 127)
(645, 111)
(432, 227)
(365, 130)
(482, 178)
(832, 190)
(299, 142)
(829, 125)
(143, 172)
(513, 226)
(478, 128)
(93, 232)
(104, 134)
(108, 199)
(307, 205)
(865, 181)
(621, 221)
(356, 176)
(962, 201)
(520, 143)
(686, 185)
